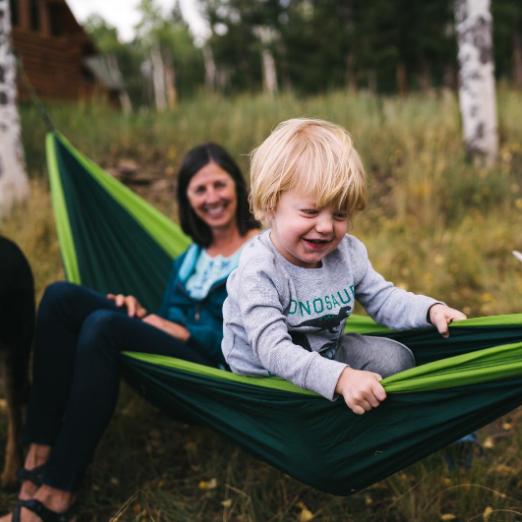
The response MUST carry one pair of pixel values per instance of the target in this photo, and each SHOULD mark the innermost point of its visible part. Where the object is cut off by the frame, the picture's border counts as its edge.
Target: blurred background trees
(307, 46)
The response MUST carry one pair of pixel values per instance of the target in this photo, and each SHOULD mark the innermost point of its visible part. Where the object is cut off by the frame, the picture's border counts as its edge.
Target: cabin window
(35, 15)
(87, 75)
(56, 17)
(15, 16)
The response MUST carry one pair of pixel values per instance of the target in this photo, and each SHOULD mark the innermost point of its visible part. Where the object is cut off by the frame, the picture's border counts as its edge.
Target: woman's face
(212, 194)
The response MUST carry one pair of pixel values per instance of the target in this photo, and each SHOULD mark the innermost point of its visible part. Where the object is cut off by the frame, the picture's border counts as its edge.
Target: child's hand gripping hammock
(111, 240)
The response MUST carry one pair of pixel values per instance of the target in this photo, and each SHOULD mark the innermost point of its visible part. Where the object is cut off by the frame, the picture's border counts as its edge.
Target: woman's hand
(134, 308)
(174, 329)
(441, 316)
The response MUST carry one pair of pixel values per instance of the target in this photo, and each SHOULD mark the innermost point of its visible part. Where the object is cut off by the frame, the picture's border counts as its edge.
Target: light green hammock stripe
(493, 320)
(490, 364)
(274, 383)
(165, 232)
(365, 325)
(61, 216)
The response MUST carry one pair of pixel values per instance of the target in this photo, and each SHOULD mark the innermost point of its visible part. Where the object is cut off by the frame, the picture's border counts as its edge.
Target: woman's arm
(174, 329)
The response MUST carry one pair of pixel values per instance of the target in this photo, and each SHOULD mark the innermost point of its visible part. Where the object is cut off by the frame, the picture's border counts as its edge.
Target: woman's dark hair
(193, 162)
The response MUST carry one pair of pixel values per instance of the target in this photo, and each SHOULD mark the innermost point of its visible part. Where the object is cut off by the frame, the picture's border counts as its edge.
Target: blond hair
(316, 156)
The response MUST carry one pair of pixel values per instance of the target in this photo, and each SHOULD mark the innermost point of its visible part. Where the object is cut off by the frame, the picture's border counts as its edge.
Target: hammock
(112, 240)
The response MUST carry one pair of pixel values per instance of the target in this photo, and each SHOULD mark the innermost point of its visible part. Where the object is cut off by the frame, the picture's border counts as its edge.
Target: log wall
(52, 48)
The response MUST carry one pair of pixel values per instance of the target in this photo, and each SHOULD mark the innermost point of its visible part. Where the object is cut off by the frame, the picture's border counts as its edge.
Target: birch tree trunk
(14, 185)
(210, 68)
(170, 80)
(158, 78)
(269, 72)
(267, 36)
(476, 78)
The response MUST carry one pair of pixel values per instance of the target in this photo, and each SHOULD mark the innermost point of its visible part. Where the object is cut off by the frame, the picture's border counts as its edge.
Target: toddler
(296, 283)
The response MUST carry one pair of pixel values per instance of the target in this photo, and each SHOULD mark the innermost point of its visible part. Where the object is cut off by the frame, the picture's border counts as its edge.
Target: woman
(80, 333)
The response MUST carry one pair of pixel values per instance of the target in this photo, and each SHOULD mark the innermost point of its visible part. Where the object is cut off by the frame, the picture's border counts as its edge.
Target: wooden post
(23, 9)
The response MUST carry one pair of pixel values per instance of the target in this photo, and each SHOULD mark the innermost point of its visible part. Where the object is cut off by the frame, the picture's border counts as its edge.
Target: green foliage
(317, 45)
(324, 44)
(170, 33)
(104, 35)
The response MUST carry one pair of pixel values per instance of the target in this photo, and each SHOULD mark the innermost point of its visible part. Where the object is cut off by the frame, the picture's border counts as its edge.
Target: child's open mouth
(316, 244)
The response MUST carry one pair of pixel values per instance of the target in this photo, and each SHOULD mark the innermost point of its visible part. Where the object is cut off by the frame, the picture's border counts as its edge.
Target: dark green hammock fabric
(111, 240)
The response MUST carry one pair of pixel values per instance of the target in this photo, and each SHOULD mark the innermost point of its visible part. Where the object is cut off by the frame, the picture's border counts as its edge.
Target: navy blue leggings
(79, 337)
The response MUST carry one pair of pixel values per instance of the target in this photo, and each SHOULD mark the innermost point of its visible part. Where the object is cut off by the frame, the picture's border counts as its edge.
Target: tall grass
(434, 224)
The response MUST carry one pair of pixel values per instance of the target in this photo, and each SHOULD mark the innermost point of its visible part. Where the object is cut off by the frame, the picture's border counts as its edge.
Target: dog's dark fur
(17, 318)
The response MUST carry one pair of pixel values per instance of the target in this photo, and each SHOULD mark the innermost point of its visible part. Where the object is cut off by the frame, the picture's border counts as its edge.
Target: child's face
(304, 233)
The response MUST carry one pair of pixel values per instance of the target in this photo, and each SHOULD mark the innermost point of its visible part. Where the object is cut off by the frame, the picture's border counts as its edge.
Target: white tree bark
(266, 36)
(210, 68)
(158, 78)
(14, 185)
(170, 80)
(269, 71)
(476, 78)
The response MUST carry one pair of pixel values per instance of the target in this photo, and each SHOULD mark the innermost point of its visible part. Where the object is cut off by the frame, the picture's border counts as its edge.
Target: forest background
(305, 46)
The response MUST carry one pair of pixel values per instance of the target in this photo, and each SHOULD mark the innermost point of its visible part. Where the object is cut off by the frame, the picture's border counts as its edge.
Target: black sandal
(41, 511)
(34, 475)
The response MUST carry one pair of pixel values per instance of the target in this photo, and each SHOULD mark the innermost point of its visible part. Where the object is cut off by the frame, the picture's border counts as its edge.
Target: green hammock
(111, 240)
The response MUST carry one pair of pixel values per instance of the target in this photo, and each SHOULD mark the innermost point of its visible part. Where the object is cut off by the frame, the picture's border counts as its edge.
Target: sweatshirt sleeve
(267, 333)
(386, 303)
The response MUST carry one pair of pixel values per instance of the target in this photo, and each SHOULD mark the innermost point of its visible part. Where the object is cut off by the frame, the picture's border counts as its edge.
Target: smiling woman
(80, 335)
(212, 195)
(213, 202)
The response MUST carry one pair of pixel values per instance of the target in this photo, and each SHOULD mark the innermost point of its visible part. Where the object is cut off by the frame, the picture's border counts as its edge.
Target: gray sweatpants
(374, 354)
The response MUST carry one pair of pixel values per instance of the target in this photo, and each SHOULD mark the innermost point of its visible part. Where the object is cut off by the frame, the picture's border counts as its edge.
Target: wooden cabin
(56, 53)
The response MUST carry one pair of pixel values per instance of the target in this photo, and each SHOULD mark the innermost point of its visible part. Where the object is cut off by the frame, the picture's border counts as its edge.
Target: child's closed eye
(309, 211)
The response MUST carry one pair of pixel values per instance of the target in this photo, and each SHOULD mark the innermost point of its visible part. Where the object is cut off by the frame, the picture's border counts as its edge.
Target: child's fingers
(457, 315)
(356, 403)
(369, 402)
(379, 392)
(361, 406)
(441, 324)
(363, 403)
(358, 410)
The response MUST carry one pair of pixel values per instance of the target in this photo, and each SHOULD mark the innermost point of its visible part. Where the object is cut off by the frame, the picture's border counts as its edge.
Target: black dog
(17, 319)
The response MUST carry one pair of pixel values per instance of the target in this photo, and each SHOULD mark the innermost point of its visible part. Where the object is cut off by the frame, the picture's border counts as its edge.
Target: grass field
(434, 224)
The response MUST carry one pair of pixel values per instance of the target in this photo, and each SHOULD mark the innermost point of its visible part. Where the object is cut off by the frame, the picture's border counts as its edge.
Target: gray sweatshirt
(285, 320)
